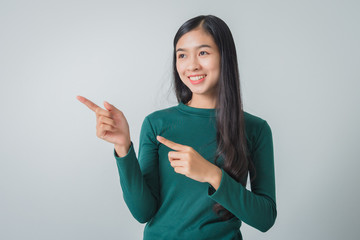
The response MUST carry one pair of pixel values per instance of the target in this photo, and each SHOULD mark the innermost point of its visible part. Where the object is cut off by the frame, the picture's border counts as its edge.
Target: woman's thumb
(108, 106)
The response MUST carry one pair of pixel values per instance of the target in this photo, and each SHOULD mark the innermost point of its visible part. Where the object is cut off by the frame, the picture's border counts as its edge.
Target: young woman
(189, 180)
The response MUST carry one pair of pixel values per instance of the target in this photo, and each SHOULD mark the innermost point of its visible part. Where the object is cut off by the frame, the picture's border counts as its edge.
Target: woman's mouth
(197, 79)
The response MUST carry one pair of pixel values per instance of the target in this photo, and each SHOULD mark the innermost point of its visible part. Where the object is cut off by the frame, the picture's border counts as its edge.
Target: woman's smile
(196, 79)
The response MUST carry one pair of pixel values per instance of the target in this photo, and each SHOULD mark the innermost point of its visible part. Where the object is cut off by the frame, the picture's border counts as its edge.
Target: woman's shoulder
(253, 121)
(256, 127)
(161, 113)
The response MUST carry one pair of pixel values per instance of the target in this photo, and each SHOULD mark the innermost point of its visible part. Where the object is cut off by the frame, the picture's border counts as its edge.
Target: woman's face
(198, 62)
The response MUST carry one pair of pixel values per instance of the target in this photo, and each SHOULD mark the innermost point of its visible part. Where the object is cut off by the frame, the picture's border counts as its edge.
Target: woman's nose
(193, 64)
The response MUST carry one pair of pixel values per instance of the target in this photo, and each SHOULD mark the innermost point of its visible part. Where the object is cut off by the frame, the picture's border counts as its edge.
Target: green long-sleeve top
(177, 207)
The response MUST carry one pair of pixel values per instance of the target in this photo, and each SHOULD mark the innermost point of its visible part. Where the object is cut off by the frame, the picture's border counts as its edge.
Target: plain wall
(299, 68)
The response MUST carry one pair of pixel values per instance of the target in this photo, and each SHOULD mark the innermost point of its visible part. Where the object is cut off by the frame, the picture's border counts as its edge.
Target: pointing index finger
(170, 144)
(88, 103)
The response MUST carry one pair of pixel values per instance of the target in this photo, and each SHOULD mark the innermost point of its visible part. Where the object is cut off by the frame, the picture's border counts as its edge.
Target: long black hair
(230, 137)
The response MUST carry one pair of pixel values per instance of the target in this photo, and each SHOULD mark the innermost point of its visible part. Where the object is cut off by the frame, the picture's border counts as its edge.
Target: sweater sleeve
(139, 178)
(257, 207)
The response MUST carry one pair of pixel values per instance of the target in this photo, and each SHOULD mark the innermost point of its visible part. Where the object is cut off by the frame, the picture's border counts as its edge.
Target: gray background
(298, 65)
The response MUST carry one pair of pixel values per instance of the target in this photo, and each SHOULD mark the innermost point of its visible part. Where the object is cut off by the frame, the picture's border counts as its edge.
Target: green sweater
(177, 207)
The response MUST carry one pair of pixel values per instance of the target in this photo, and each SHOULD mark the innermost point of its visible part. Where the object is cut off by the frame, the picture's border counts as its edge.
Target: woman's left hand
(185, 160)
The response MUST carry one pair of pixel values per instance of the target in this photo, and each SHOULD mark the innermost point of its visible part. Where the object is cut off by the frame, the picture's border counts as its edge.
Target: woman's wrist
(215, 177)
(122, 150)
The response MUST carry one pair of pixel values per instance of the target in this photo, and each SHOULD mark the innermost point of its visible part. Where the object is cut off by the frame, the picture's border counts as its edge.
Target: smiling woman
(189, 179)
(198, 61)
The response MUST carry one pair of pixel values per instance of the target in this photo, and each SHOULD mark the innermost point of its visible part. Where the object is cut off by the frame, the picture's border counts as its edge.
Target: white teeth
(197, 77)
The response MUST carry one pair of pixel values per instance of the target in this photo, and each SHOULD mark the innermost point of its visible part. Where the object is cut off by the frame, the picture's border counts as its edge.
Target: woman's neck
(197, 102)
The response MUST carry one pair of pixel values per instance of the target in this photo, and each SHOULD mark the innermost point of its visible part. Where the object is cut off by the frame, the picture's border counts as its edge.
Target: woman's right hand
(111, 125)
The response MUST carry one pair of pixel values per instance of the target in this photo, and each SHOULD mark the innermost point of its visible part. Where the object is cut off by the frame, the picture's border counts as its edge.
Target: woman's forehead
(194, 39)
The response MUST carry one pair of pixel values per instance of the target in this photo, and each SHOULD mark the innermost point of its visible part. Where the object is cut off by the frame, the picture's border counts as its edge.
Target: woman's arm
(139, 178)
(257, 207)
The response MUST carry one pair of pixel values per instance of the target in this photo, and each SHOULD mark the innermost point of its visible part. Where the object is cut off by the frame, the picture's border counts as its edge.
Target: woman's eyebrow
(201, 46)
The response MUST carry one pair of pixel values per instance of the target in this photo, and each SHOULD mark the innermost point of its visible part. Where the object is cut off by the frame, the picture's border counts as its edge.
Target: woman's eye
(181, 55)
(203, 52)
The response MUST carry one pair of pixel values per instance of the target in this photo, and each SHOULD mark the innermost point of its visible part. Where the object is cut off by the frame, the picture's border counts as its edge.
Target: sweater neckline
(203, 112)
